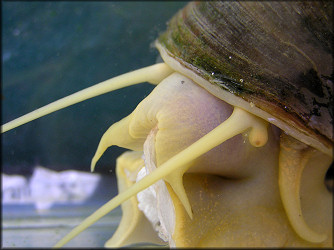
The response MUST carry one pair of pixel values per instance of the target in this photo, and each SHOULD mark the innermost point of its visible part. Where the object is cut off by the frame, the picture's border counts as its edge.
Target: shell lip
(294, 129)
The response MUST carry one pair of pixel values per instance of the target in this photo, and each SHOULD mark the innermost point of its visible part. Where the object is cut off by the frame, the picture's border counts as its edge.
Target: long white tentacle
(153, 74)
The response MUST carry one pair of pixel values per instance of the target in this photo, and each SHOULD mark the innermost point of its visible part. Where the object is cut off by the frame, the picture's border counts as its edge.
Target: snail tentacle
(292, 160)
(117, 134)
(152, 74)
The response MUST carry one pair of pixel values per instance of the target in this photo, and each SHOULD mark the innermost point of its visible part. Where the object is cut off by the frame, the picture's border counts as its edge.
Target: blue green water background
(52, 49)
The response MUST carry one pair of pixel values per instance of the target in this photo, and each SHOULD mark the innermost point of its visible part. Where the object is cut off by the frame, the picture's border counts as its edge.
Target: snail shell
(274, 58)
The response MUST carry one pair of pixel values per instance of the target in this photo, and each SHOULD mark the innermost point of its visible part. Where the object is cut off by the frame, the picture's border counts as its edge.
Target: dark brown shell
(276, 55)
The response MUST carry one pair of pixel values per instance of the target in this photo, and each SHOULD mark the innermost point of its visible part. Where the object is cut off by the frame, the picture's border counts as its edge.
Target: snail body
(236, 131)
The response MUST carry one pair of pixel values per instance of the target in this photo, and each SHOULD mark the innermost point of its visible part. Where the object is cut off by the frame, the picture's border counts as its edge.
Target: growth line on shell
(237, 123)
(152, 74)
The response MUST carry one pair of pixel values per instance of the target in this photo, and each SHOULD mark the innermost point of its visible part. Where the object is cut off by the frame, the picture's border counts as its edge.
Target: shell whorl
(276, 55)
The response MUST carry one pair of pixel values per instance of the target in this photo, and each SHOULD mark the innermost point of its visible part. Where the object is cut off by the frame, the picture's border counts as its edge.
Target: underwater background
(53, 49)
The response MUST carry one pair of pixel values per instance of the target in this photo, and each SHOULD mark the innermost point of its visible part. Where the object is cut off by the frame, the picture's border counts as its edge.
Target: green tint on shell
(276, 55)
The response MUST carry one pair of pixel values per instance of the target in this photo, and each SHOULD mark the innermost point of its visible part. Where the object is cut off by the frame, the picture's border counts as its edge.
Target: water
(53, 49)
(23, 226)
